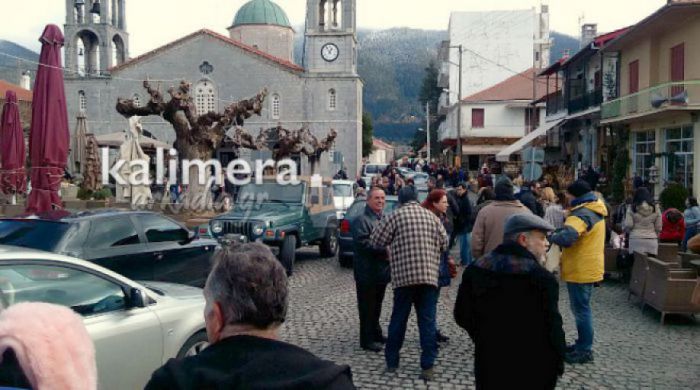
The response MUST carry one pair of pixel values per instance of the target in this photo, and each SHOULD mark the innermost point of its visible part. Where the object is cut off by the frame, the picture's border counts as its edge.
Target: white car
(343, 196)
(136, 327)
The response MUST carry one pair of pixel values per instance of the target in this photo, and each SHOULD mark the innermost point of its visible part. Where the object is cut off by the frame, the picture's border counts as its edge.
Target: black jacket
(508, 304)
(526, 197)
(247, 362)
(370, 264)
(461, 209)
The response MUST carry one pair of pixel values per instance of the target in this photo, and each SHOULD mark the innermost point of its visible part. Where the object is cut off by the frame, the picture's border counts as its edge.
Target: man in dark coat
(508, 303)
(371, 270)
(246, 302)
(461, 212)
(527, 197)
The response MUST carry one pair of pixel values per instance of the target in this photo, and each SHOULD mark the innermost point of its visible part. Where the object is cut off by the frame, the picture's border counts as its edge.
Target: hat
(407, 194)
(524, 223)
(579, 188)
(504, 187)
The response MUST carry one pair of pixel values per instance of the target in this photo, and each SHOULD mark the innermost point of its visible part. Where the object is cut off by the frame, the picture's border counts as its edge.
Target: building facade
(257, 54)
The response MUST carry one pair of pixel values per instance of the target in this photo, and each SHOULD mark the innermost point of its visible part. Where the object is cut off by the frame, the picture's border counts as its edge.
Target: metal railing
(586, 101)
(662, 96)
(556, 103)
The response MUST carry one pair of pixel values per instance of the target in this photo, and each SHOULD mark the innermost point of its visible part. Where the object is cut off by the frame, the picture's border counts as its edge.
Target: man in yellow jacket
(582, 264)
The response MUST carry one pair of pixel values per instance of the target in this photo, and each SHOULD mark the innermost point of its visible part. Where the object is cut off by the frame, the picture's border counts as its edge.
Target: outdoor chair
(638, 277)
(687, 257)
(671, 290)
(668, 252)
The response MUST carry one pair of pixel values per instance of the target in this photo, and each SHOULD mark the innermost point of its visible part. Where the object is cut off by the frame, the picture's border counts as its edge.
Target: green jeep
(285, 217)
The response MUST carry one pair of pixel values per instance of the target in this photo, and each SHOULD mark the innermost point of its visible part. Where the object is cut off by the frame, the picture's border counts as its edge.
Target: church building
(323, 92)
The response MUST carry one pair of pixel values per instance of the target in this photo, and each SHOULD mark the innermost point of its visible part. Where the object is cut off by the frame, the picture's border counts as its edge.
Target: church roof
(261, 12)
(279, 61)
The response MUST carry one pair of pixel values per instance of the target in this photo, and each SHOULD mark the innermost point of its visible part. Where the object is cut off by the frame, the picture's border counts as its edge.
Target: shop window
(643, 153)
(678, 164)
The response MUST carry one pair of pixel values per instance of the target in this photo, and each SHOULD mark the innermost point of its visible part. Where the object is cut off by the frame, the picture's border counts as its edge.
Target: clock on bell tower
(331, 37)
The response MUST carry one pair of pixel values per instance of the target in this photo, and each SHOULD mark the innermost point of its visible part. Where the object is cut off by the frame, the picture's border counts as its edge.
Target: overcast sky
(152, 23)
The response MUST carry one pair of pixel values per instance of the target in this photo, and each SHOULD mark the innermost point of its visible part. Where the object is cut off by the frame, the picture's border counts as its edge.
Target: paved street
(632, 350)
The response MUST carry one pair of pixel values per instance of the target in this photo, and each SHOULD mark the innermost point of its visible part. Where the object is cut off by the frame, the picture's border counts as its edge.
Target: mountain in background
(11, 68)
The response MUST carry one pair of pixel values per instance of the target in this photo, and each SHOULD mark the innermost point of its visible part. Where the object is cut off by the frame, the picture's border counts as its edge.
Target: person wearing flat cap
(508, 304)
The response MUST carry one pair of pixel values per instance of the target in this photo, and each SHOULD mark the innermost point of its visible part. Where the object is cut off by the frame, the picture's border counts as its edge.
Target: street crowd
(515, 245)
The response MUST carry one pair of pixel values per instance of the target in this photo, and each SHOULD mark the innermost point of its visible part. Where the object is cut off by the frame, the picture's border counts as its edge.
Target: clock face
(330, 52)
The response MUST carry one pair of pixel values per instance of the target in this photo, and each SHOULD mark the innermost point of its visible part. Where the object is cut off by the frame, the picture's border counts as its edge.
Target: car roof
(76, 216)
(10, 252)
(349, 182)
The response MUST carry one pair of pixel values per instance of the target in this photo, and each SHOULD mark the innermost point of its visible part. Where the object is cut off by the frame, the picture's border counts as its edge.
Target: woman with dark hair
(643, 223)
(692, 218)
(437, 203)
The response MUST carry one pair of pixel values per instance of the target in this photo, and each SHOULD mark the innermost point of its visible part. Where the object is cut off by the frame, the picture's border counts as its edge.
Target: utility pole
(427, 125)
(459, 112)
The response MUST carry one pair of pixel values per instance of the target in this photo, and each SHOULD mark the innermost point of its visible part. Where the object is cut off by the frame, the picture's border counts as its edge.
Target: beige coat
(488, 227)
(645, 223)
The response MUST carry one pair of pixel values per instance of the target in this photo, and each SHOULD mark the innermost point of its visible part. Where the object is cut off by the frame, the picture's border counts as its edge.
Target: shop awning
(504, 155)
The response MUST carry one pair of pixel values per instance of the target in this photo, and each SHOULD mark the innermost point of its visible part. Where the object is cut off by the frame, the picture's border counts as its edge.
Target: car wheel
(287, 253)
(345, 261)
(194, 345)
(329, 245)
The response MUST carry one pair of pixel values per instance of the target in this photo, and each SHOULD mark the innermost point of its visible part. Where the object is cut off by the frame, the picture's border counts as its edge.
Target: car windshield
(358, 208)
(342, 190)
(35, 234)
(271, 193)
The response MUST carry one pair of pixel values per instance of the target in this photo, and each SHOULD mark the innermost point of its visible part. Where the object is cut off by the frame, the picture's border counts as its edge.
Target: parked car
(371, 170)
(406, 173)
(285, 217)
(343, 196)
(136, 327)
(421, 180)
(345, 232)
(137, 244)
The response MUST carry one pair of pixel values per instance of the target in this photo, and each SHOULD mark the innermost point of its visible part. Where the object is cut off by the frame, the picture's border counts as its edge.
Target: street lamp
(459, 105)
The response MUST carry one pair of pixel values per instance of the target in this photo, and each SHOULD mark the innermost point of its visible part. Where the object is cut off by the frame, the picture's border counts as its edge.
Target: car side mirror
(137, 298)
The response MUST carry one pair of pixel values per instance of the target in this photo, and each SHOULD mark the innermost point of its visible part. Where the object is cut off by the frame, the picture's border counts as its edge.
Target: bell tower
(96, 37)
(331, 37)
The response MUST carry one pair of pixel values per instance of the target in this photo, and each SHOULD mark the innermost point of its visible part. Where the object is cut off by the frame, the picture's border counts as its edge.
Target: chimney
(588, 33)
(25, 81)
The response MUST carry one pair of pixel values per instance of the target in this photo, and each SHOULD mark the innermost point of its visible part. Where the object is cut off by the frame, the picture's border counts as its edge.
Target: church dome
(261, 12)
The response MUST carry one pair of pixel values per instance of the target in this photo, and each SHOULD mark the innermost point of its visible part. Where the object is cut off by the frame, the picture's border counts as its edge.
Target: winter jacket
(583, 240)
(528, 198)
(672, 231)
(45, 346)
(461, 209)
(370, 263)
(644, 223)
(692, 216)
(509, 283)
(488, 227)
(444, 277)
(248, 362)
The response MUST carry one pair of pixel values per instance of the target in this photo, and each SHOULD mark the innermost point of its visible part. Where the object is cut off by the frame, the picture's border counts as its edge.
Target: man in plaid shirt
(415, 238)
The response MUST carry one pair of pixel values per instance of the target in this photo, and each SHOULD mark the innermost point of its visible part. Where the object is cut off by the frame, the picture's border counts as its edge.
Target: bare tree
(197, 135)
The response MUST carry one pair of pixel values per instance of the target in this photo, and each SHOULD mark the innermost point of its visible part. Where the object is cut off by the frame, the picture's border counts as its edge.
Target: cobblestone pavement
(632, 350)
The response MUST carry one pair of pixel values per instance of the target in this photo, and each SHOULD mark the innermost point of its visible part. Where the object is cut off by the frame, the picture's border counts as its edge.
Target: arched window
(82, 101)
(275, 106)
(332, 99)
(205, 97)
(137, 100)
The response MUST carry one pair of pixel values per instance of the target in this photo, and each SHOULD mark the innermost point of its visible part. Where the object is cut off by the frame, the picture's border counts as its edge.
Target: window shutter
(677, 67)
(477, 118)
(634, 77)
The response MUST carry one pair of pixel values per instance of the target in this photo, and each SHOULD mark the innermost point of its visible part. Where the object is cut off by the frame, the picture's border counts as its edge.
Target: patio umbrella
(13, 177)
(78, 144)
(92, 176)
(49, 137)
(131, 150)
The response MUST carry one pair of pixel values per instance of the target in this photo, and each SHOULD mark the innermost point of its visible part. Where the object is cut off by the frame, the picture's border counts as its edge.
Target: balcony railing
(556, 103)
(663, 96)
(585, 101)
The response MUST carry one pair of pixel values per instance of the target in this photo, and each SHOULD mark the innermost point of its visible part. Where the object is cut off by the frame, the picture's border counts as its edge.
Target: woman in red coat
(673, 226)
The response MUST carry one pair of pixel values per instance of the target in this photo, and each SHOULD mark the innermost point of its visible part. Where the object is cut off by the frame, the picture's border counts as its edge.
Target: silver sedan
(136, 327)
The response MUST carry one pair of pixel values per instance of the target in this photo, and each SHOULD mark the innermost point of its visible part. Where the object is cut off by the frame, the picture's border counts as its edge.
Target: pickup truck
(285, 217)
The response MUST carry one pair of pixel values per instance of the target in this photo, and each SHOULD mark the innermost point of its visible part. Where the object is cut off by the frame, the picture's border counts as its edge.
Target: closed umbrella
(13, 178)
(49, 137)
(129, 151)
(78, 145)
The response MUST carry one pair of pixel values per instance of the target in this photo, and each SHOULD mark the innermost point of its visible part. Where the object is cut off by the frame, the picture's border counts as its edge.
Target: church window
(82, 101)
(332, 100)
(275, 106)
(137, 100)
(205, 97)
